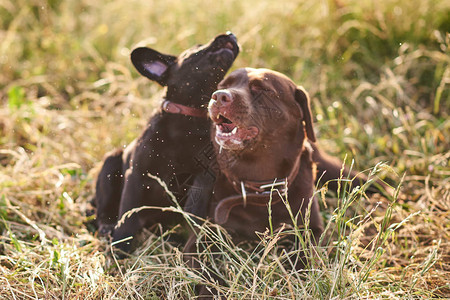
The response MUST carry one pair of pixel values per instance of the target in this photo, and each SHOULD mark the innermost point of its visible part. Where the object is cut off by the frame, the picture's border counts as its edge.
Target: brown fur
(274, 124)
(281, 112)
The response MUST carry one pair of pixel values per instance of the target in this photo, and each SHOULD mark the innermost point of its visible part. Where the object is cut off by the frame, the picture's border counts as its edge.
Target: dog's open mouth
(225, 126)
(225, 50)
(228, 47)
(229, 135)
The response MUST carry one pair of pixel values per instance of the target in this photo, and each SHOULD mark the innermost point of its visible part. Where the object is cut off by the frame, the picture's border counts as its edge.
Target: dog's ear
(152, 64)
(302, 98)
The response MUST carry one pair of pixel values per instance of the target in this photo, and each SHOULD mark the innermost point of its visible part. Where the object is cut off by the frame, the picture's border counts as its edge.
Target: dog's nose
(232, 36)
(223, 97)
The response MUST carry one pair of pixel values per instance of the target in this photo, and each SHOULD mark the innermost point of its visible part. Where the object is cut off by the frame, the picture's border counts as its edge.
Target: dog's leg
(306, 253)
(132, 197)
(199, 194)
(141, 190)
(108, 192)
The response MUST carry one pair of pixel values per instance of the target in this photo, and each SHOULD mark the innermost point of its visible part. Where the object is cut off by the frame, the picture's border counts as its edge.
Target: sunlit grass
(378, 73)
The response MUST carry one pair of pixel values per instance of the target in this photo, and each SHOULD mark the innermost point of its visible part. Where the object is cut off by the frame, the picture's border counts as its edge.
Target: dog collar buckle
(262, 188)
(273, 184)
(280, 186)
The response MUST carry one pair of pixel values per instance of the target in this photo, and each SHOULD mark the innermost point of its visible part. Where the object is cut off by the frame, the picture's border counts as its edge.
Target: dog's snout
(232, 36)
(223, 97)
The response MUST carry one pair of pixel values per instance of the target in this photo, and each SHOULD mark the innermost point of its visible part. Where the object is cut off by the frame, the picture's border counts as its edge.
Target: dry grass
(379, 76)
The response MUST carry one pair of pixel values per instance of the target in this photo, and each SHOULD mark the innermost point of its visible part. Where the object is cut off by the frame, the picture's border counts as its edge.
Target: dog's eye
(256, 88)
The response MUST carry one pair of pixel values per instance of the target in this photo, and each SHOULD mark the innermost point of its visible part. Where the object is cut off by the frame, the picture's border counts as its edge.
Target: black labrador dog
(175, 135)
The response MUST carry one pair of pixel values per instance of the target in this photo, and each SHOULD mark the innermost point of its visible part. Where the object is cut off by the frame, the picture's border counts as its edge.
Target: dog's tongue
(227, 127)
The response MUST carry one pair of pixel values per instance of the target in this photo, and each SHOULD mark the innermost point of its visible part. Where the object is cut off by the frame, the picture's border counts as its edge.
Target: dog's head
(259, 108)
(194, 72)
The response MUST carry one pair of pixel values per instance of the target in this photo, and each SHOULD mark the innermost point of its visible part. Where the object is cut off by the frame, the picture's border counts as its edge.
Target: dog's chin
(236, 139)
(224, 57)
(226, 54)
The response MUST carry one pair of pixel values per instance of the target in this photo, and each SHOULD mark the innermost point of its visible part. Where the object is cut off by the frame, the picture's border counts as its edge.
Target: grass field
(378, 73)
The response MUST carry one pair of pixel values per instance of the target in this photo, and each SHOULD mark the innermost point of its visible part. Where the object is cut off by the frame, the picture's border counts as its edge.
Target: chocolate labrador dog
(262, 125)
(167, 147)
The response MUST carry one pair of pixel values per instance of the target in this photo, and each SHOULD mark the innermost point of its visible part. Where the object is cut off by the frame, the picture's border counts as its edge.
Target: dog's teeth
(218, 117)
(234, 130)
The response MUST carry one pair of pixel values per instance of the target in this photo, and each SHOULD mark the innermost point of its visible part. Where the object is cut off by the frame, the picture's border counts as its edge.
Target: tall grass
(378, 73)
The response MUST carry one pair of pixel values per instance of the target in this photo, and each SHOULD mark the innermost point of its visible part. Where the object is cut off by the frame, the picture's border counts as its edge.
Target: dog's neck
(264, 186)
(176, 108)
(197, 96)
(260, 165)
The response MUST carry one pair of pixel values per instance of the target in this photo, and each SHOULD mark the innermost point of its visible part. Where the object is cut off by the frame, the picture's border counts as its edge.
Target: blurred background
(377, 71)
